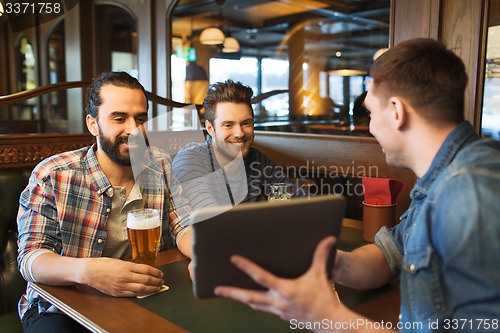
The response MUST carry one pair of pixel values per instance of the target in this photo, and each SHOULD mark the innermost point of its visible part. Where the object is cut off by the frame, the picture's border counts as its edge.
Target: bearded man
(72, 215)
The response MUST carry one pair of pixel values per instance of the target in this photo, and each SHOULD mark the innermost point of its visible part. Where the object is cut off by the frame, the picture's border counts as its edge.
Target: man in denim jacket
(446, 247)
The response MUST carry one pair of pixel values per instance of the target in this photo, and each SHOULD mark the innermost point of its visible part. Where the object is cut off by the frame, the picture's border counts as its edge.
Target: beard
(112, 148)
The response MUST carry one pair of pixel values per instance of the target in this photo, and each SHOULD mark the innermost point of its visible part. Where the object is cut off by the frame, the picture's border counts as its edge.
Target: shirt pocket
(421, 283)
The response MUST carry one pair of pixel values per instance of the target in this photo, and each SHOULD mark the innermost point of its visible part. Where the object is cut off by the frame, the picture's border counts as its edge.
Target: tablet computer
(280, 236)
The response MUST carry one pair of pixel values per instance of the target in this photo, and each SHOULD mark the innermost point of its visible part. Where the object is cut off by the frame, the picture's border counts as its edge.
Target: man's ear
(92, 125)
(210, 128)
(399, 111)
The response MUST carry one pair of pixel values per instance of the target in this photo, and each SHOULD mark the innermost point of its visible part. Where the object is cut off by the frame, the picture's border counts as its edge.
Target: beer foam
(141, 220)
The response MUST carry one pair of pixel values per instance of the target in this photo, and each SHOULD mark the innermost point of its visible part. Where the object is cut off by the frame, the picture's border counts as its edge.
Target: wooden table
(102, 313)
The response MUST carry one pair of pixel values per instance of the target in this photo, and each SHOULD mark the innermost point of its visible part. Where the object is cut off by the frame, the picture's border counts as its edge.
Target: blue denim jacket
(447, 244)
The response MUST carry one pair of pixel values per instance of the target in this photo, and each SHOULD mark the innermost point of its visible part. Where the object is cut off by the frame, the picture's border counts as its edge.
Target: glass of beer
(144, 233)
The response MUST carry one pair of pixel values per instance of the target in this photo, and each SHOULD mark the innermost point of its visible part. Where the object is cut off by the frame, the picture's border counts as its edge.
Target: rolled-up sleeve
(37, 222)
(393, 256)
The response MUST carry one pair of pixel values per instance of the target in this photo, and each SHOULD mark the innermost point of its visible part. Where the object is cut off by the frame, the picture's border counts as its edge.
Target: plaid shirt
(67, 202)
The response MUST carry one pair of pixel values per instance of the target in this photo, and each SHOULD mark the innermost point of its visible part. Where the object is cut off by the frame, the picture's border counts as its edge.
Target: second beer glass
(279, 191)
(144, 233)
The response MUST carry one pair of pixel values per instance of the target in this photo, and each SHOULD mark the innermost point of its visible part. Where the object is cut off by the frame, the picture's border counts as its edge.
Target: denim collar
(461, 135)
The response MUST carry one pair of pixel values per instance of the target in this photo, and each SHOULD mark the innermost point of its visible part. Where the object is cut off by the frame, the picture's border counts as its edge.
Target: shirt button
(99, 241)
(412, 268)
(108, 210)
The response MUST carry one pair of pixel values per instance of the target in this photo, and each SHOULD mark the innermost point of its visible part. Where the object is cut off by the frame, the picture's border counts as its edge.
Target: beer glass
(144, 234)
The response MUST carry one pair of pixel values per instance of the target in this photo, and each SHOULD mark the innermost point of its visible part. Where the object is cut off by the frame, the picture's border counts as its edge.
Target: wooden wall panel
(351, 155)
(18, 151)
(160, 54)
(494, 13)
(461, 30)
(4, 58)
(458, 24)
(145, 50)
(86, 40)
(413, 19)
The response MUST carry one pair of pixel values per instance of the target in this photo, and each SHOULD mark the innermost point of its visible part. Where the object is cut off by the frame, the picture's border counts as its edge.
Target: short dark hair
(117, 79)
(423, 71)
(228, 91)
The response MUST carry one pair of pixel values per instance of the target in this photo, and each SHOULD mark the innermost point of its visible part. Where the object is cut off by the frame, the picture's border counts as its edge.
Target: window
(25, 75)
(274, 77)
(313, 55)
(490, 123)
(116, 40)
(244, 70)
(28, 111)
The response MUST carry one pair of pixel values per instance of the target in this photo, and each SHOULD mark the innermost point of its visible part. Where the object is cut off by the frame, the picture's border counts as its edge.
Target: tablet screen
(279, 236)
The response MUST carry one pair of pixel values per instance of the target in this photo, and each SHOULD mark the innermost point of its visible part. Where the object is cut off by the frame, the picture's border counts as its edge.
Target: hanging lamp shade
(230, 45)
(212, 36)
(346, 67)
(348, 72)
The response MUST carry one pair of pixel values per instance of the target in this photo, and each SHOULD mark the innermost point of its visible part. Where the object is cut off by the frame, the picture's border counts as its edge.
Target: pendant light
(212, 36)
(230, 45)
(215, 36)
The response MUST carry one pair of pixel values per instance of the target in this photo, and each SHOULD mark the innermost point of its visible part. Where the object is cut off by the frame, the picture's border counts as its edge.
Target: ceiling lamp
(348, 72)
(231, 45)
(346, 67)
(212, 36)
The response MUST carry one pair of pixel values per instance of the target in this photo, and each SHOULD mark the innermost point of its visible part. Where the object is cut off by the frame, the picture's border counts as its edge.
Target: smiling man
(232, 131)
(72, 215)
(226, 169)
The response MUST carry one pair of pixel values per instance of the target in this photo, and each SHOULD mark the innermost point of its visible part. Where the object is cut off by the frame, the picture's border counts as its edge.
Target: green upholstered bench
(12, 284)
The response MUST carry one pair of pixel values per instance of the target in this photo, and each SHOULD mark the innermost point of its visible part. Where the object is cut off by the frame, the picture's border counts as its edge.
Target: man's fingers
(270, 309)
(145, 274)
(146, 270)
(321, 254)
(135, 289)
(191, 270)
(242, 295)
(257, 273)
(257, 300)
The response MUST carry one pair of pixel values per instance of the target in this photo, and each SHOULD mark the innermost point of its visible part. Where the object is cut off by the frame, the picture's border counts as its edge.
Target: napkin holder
(376, 217)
